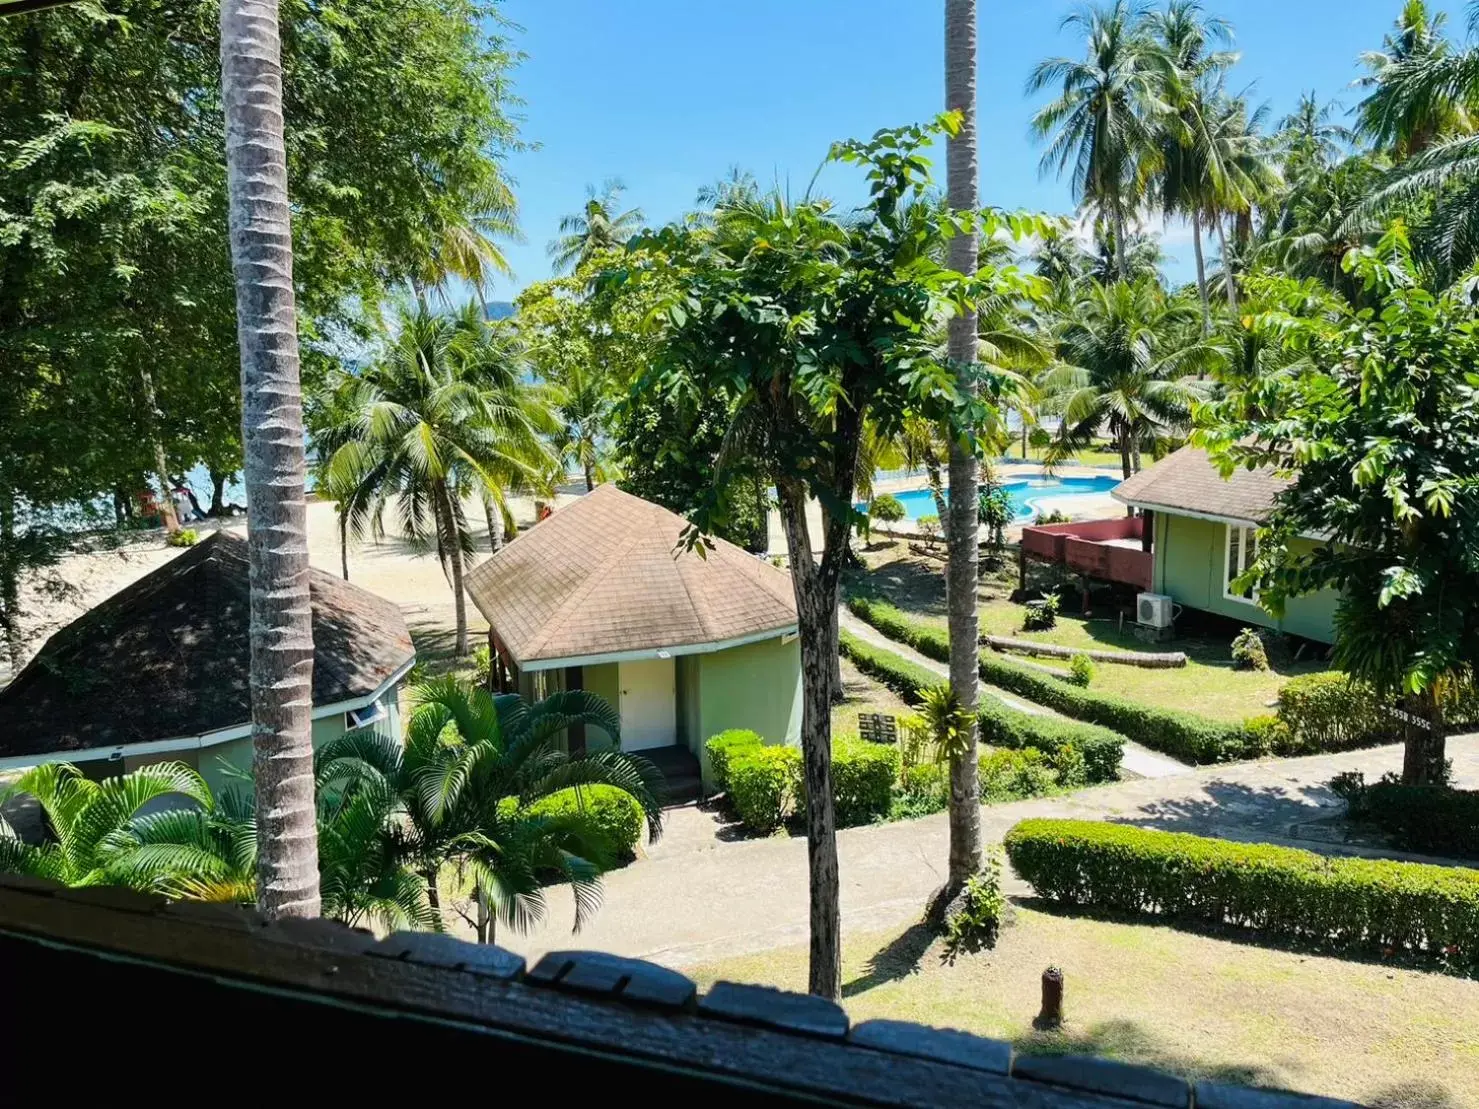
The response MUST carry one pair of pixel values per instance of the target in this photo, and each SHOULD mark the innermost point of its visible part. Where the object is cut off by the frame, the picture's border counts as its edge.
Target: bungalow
(683, 644)
(1195, 535)
(158, 672)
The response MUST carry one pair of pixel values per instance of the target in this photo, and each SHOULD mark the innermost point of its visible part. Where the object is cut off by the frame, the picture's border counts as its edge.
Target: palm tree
(92, 827)
(1102, 122)
(583, 409)
(1128, 362)
(1402, 112)
(1310, 138)
(439, 416)
(1244, 176)
(462, 244)
(1183, 169)
(281, 674)
(963, 193)
(597, 227)
(468, 783)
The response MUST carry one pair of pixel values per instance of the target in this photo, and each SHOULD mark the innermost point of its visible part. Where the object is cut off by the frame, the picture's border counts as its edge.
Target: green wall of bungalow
(1191, 560)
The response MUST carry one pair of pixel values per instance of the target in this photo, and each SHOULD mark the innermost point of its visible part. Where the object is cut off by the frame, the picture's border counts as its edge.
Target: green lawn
(1190, 1004)
(1207, 684)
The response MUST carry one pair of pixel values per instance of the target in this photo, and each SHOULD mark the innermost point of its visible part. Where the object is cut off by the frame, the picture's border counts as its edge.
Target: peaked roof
(1187, 482)
(168, 657)
(600, 577)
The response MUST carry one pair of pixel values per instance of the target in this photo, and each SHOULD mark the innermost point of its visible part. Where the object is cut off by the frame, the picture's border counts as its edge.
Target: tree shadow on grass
(897, 959)
(1413, 1095)
(1130, 1042)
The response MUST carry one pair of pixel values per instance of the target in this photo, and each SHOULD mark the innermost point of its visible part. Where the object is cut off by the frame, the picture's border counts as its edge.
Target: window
(372, 713)
(1242, 549)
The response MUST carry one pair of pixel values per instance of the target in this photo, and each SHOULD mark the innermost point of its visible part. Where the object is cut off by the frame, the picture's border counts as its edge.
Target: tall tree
(272, 434)
(599, 226)
(440, 416)
(963, 189)
(1100, 125)
(813, 324)
(1380, 431)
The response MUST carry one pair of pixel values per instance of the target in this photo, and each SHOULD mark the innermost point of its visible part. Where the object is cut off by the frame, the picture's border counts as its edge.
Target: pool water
(1024, 494)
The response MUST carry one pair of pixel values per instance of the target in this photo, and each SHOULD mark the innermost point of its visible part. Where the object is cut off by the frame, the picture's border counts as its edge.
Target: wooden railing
(1089, 548)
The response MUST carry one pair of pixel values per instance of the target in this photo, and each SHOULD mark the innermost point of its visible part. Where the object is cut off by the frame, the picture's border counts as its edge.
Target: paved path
(700, 896)
(1141, 761)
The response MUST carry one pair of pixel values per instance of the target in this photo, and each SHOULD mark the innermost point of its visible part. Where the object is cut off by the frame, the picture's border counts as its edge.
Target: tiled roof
(168, 657)
(1187, 481)
(601, 576)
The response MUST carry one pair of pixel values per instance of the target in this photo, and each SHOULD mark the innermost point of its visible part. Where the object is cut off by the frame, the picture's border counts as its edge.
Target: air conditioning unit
(1154, 610)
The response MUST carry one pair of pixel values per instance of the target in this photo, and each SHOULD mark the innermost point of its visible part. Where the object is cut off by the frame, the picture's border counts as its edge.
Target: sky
(667, 95)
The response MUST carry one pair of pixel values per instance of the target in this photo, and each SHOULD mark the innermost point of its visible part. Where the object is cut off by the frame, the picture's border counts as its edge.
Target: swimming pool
(1024, 494)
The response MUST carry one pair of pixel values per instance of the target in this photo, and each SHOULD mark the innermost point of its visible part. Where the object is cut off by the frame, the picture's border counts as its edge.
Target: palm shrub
(470, 788)
(1248, 651)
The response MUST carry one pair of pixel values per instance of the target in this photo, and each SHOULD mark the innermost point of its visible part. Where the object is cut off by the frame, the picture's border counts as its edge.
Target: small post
(1022, 569)
(1052, 999)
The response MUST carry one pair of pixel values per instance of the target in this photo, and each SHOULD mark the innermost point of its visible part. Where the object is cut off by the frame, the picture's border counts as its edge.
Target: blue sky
(667, 94)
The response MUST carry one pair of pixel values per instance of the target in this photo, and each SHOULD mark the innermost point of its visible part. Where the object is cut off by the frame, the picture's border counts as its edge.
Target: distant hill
(500, 309)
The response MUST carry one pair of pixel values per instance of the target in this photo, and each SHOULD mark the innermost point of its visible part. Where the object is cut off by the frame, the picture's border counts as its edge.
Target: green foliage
(1081, 670)
(1381, 430)
(1070, 767)
(923, 789)
(1041, 615)
(1269, 735)
(615, 815)
(726, 746)
(1433, 820)
(1057, 516)
(975, 924)
(1012, 775)
(1180, 734)
(1329, 711)
(1248, 652)
(1357, 906)
(995, 511)
(1099, 749)
(482, 666)
(1001, 726)
(764, 785)
(946, 721)
(887, 508)
(863, 778)
(185, 537)
(929, 526)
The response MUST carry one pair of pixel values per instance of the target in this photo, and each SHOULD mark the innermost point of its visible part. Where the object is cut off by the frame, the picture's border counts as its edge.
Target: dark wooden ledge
(130, 984)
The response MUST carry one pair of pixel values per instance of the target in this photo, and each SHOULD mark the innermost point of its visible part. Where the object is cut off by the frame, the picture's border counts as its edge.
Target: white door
(649, 704)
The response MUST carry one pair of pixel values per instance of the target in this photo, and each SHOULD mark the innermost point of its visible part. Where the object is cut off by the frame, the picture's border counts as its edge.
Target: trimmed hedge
(726, 746)
(1361, 906)
(1435, 820)
(1001, 725)
(1183, 735)
(616, 814)
(863, 777)
(763, 786)
(1329, 712)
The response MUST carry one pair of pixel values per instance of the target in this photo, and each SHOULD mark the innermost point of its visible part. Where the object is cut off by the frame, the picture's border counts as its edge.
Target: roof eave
(533, 666)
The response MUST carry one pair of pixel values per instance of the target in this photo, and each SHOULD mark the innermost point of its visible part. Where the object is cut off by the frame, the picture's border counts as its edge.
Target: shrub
(1329, 712)
(1180, 734)
(923, 789)
(724, 747)
(1365, 906)
(1268, 735)
(1099, 748)
(887, 509)
(764, 783)
(1248, 652)
(185, 537)
(1435, 820)
(1070, 768)
(1057, 516)
(863, 777)
(1041, 615)
(616, 814)
(482, 666)
(930, 527)
(974, 926)
(1009, 775)
(1001, 726)
(1081, 670)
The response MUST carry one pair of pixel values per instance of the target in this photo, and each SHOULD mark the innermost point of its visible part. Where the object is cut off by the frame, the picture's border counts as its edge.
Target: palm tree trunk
(1227, 267)
(343, 542)
(816, 605)
(1123, 436)
(961, 571)
(494, 515)
(590, 477)
(451, 549)
(937, 489)
(10, 586)
(1196, 243)
(1119, 241)
(281, 676)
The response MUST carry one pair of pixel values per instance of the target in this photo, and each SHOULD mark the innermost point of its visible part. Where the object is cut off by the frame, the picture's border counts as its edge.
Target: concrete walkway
(702, 894)
(1138, 760)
